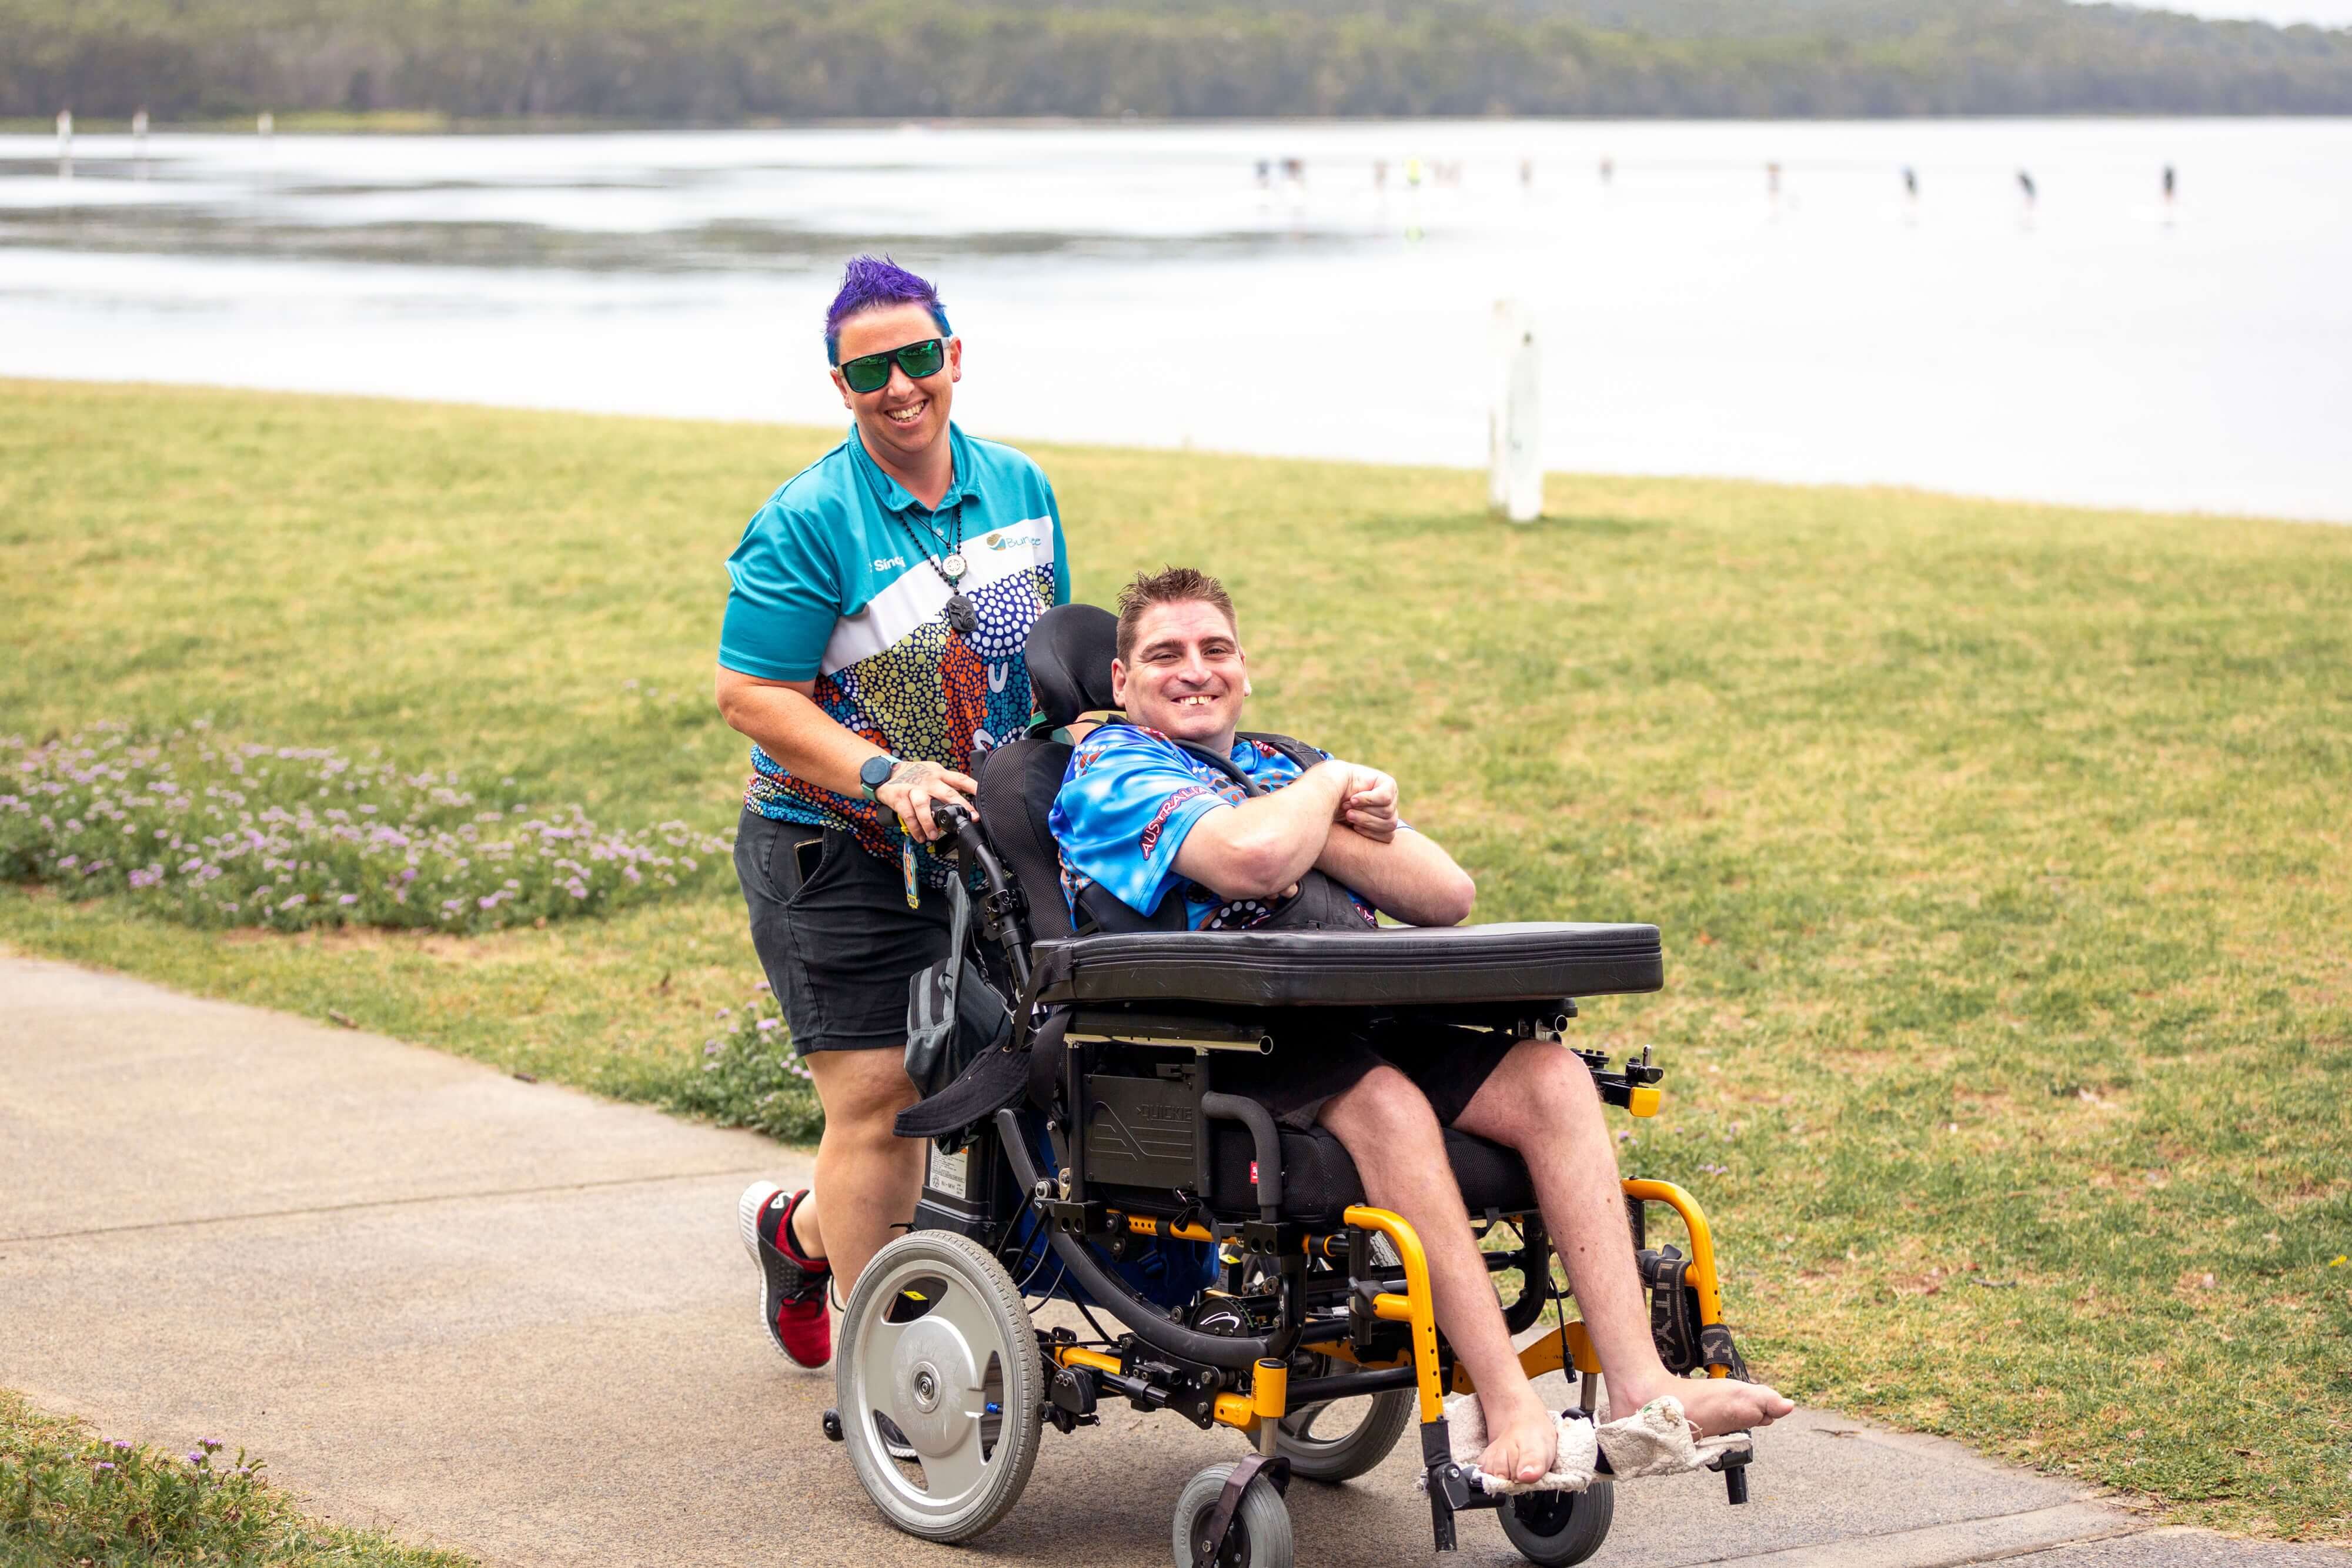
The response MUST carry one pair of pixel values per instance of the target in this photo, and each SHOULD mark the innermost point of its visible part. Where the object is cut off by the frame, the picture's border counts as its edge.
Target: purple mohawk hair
(869, 283)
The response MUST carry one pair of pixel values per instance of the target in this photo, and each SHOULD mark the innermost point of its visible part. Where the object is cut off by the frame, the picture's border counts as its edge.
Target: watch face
(876, 771)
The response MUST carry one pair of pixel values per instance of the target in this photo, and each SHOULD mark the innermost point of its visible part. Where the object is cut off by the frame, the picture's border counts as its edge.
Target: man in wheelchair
(1169, 821)
(1173, 1069)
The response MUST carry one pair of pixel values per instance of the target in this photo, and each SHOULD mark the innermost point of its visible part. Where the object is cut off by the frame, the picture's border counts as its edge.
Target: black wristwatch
(876, 772)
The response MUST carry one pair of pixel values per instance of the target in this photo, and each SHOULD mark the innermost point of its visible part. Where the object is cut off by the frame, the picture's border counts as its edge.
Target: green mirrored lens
(923, 359)
(868, 372)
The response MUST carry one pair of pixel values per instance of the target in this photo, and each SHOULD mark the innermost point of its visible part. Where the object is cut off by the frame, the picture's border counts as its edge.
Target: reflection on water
(1811, 302)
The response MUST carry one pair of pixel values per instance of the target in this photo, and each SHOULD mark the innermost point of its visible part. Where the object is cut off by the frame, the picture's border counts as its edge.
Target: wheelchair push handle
(952, 818)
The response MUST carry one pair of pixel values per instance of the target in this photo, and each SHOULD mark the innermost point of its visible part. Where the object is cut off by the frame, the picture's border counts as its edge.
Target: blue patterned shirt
(1128, 797)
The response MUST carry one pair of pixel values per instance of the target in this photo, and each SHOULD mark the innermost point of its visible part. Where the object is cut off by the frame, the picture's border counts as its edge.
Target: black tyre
(937, 1339)
(1344, 1438)
(1558, 1527)
(1261, 1534)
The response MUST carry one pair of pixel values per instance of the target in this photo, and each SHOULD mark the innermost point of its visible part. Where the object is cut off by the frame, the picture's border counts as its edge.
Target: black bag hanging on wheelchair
(954, 1014)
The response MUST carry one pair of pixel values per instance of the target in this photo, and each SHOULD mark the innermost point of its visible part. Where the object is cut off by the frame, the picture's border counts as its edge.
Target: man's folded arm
(1261, 846)
(1408, 877)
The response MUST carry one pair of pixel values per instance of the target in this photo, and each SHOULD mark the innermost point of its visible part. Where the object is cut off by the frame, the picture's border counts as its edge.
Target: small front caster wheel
(1556, 1529)
(831, 1426)
(1260, 1535)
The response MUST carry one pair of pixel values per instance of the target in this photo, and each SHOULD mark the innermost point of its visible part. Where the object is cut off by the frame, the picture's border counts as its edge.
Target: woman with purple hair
(872, 647)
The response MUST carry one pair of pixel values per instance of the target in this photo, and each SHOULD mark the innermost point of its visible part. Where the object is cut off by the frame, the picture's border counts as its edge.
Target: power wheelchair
(1087, 1141)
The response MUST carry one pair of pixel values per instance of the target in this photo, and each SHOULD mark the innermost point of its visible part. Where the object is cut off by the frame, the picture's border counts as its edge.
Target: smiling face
(906, 419)
(1186, 679)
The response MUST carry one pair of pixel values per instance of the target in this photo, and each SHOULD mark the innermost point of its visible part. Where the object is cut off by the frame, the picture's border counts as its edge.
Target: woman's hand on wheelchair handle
(916, 788)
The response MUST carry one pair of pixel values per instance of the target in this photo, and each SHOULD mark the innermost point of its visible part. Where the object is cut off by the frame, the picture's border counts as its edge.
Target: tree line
(726, 61)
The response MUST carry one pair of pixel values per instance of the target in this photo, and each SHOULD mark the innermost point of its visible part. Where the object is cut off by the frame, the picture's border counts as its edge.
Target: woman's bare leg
(868, 1177)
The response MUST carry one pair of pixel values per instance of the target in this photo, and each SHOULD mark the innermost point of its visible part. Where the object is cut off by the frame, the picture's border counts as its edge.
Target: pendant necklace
(961, 614)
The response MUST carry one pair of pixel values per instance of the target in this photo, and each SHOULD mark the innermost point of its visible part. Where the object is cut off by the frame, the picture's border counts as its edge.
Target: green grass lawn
(2003, 853)
(71, 1499)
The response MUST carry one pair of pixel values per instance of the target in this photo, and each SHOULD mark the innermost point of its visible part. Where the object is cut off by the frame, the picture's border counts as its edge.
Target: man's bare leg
(1389, 1130)
(868, 1177)
(1542, 1102)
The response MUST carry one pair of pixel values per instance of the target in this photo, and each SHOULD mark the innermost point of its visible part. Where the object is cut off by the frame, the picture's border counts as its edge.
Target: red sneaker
(791, 1287)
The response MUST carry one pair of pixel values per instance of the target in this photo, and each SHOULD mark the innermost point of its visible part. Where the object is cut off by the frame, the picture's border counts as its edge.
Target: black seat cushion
(1319, 1181)
(1400, 966)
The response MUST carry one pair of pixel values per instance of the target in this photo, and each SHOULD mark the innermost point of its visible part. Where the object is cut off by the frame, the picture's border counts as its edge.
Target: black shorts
(1447, 1065)
(831, 925)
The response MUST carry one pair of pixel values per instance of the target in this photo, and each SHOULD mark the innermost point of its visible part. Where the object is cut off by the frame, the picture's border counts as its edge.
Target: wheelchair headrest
(1069, 651)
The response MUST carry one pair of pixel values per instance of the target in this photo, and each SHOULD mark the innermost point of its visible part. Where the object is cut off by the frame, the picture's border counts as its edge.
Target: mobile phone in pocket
(806, 853)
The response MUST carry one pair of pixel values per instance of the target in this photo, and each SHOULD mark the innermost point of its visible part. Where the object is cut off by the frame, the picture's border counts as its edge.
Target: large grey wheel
(1558, 1527)
(1342, 1439)
(1260, 1536)
(936, 1338)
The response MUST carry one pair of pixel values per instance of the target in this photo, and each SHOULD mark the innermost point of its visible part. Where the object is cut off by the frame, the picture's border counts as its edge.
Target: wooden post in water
(1515, 456)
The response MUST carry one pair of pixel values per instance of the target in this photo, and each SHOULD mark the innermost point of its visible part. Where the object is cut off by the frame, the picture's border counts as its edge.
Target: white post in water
(139, 140)
(1515, 471)
(265, 124)
(65, 143)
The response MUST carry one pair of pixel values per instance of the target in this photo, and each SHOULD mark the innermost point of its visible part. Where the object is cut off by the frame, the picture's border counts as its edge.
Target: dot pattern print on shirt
(923, 698)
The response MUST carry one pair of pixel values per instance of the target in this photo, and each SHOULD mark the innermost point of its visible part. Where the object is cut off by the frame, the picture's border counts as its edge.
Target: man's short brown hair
(1168, 585)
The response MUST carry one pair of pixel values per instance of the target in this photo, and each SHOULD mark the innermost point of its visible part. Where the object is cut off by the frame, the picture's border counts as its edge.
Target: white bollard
(1515, 457)
(267, 124)
(65, 143)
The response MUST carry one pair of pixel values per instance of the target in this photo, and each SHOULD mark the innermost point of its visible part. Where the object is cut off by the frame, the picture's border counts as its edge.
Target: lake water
(1141, 285)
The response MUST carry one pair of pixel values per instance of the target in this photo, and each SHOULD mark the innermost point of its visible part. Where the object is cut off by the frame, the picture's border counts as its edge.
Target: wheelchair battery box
(1147, 1132)
(958, 1193)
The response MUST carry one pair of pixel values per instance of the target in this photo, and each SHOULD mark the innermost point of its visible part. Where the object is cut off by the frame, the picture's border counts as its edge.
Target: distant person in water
(2168, 183)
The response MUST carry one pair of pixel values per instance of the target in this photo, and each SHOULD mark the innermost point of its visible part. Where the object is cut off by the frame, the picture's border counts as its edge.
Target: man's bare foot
(1714, 1405)
(1522, 1437)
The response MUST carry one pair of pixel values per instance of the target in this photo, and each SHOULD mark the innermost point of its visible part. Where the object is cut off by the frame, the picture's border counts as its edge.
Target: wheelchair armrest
(1264, 1134)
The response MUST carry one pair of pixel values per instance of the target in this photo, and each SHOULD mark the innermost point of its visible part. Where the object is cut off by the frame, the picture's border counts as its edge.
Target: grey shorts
(834, 936)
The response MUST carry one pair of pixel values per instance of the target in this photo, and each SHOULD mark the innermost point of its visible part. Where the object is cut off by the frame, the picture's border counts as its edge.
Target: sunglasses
(871, 372)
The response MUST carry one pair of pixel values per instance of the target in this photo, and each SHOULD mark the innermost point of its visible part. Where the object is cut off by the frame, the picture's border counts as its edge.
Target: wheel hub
(934, 1364)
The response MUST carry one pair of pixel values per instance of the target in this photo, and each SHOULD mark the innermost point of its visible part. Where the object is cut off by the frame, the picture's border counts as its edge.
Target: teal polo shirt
(833, 583)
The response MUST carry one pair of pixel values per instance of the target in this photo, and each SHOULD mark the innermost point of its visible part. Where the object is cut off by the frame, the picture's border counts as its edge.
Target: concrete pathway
(512, 1319)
